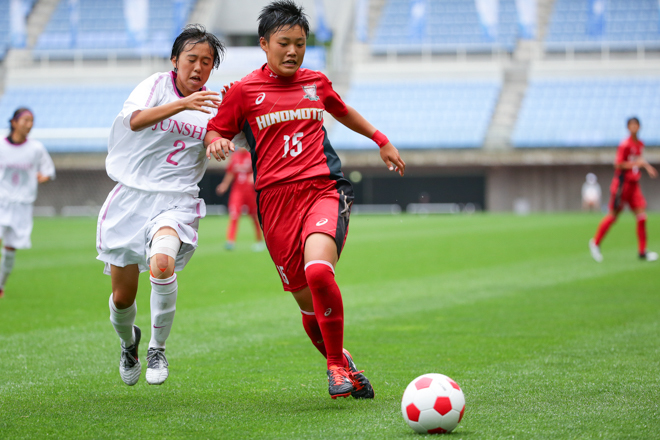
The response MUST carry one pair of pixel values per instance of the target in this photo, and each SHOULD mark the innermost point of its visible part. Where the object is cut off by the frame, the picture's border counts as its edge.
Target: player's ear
(264, 44)
(174, 61)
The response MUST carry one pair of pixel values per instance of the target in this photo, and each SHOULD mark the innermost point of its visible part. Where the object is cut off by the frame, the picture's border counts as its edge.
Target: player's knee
(319, 274)
(164, 250)
(641, 217)
(120, 302)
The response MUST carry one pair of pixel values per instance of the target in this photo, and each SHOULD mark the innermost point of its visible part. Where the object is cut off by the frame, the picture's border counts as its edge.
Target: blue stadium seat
(102, 30)
(430, 114)
(450, 24)
(587, 112)
(627, 23)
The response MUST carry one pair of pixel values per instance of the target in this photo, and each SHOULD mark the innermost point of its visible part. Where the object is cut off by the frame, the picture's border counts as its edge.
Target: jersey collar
(271, 76)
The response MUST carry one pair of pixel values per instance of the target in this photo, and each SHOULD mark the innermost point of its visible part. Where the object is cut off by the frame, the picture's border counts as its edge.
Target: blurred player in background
(591, 193)
(303, 198)
(625, 188)
(150, 219)
(239, 175)
(24, 163)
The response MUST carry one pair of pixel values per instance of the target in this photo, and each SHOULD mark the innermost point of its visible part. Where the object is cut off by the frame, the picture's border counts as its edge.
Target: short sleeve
(46, 166)
(229, 119)
(622, 152)
(146, 95)
(331, 99)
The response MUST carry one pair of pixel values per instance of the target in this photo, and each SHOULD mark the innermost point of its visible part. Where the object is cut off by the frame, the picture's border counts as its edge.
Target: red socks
(313, 330)
(328, 309)
(603, 227)
(641, 233)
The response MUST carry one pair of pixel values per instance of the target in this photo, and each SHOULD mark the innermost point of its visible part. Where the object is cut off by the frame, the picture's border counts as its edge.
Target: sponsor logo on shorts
(322, 222)
(260, 98)
(327, 312)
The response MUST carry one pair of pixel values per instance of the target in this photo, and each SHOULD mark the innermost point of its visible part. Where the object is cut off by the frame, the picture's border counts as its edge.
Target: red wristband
(380, 139)
(215, 139)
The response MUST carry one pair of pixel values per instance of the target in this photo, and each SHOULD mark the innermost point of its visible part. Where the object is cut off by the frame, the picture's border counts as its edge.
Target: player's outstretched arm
(653, 173)
(224, 185)
(201, 101)
(390, 155)
(217, 146)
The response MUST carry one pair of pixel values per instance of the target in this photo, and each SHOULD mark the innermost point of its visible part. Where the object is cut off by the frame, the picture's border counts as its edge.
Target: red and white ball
(433, 403)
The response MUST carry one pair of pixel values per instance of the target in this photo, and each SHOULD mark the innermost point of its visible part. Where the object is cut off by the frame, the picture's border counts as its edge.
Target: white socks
(122, 320)
(6, 265)
(163, 307)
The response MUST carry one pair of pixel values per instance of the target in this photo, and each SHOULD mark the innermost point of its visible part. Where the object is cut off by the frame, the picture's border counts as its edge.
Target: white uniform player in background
(591, 193)
(24, 163)
(150, 219)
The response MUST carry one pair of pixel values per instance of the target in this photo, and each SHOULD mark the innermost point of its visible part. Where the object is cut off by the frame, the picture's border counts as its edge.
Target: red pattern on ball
(461, 416)
(413, 412)
(424, 382)
(437, 431)
(453, 384)
(442, 405)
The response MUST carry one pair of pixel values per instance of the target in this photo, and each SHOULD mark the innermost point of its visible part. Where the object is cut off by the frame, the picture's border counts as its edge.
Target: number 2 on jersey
(296, 145)
(169, 157)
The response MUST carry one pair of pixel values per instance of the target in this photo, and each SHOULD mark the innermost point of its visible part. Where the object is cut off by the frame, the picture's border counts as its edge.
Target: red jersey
(629, 151)
(282, 118)
(240, 165)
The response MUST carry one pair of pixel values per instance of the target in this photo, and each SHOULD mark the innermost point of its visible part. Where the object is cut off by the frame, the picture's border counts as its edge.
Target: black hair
(195, 34)
(282, 14)
(634, 118)
(16, 115)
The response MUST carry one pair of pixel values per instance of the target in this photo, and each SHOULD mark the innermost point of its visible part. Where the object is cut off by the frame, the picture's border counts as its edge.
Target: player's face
(633, 127)
(194, 64)
(285, 50)
(23, 124)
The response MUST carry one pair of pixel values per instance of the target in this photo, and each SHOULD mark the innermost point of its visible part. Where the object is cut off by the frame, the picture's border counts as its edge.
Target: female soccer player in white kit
(149, 220)
(24, 163)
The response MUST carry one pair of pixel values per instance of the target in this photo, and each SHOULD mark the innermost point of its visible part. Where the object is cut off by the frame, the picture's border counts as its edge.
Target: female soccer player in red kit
(625, 189)
(239, 176)
(303, 198)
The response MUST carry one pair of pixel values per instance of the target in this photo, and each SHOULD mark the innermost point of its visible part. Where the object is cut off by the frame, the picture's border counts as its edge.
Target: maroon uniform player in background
(303, 198)
(625, 189)
(242, 195)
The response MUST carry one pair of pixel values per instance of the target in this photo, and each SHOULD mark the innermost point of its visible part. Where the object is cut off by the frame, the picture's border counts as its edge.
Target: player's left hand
(390, 156)
(41, 178)
(653, 173)
(220, 149)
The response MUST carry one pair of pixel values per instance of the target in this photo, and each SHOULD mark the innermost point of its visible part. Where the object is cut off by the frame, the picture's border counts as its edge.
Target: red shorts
(289, 213)
(240, 197)
(626, 192)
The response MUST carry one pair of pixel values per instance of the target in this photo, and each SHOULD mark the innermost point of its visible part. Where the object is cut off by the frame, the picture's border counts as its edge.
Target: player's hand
(202, 101)
(653, 173)
(220, 149)
(221, 189)
(41, 178)
(390, 156)
(226, 88)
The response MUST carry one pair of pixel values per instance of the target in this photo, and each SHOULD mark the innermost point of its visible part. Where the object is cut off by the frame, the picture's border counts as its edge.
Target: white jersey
(19, 165)
(167, 157)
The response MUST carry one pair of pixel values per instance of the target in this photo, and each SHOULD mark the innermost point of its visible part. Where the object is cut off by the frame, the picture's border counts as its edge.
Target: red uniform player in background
(625, 189)
(239, 176)
(303, 198)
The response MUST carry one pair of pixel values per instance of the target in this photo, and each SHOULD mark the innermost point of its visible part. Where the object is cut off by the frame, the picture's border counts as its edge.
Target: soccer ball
(433, 403)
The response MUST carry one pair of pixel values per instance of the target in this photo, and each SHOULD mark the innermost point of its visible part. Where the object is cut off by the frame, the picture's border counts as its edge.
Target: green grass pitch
(545, 342)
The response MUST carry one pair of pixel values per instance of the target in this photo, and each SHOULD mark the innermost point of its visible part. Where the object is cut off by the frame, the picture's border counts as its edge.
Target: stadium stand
(626, 24)
(428, 114)
(102, 31)
(587, 112)
(5, 38)
(451, 25)
(69, 118)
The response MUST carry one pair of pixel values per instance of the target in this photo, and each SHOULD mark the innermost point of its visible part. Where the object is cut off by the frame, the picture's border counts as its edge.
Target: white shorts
(16, 224)
(130, 218)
